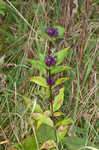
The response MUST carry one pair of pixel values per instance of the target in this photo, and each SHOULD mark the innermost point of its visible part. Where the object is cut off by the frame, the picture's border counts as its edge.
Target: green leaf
(30, 104)
(57, 114)
(49, 133)
(43, 134)
(47, 113)
(44, 119)
(62, 130)
(76, 143)
(64, 122)
(39, 124)
(59, 81)
(61, 31)
(37, 64)
(63, 127)
(1, 12)
(56, 69)
(58, 100)
(2, 7)
(39, 80)
(29, 143)
(60, 55)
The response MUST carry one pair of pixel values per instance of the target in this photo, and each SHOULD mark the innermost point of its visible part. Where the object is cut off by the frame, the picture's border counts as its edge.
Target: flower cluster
(50, 81)
(53, 32)
(50, 61)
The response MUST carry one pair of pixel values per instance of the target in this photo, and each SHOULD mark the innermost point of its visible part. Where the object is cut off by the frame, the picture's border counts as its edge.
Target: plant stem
(51, 98)
(52, 113)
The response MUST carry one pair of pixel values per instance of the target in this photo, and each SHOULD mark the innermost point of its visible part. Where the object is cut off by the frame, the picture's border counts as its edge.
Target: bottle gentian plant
(51, 65)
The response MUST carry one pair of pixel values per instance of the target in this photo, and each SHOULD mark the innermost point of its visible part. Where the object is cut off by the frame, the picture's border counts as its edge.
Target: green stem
(51, 98)
(52, 112)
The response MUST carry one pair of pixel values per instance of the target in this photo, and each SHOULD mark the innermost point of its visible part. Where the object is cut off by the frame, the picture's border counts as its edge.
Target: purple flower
(50, 82)
(50, 61)
(53, 32)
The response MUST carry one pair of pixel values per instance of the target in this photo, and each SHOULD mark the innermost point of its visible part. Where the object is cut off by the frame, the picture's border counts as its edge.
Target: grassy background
(20, 26)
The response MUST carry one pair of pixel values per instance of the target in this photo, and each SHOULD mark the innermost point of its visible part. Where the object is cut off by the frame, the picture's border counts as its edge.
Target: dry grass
(21, 40)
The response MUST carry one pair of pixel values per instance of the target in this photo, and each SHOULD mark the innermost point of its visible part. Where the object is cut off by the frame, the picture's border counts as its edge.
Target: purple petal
(53, 32)
(48, 80)
(53, 81)
(53, 62)
(50, 61)
(45, 59)
(55, 58)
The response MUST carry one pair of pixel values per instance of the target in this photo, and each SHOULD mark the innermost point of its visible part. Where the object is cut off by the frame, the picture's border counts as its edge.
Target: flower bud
(53, 32)
(50, 82)
(50, 61)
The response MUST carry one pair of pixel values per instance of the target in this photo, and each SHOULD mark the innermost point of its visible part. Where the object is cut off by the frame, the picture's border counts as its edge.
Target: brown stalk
(84, 30)
(62, 19)
(82, 42)
(52, 112)
(51, 97)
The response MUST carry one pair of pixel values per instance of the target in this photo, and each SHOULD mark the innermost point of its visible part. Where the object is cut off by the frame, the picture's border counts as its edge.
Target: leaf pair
(43, 117)
(58, 100)
(41, 66)
(42, 81)
(38, 113)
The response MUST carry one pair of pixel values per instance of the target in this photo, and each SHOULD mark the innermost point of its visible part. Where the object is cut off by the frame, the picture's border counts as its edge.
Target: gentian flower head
(53, 32)
(50, 82)
(50, 61)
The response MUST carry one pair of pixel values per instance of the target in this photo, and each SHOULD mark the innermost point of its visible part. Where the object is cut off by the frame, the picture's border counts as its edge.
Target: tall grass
(20, 39)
